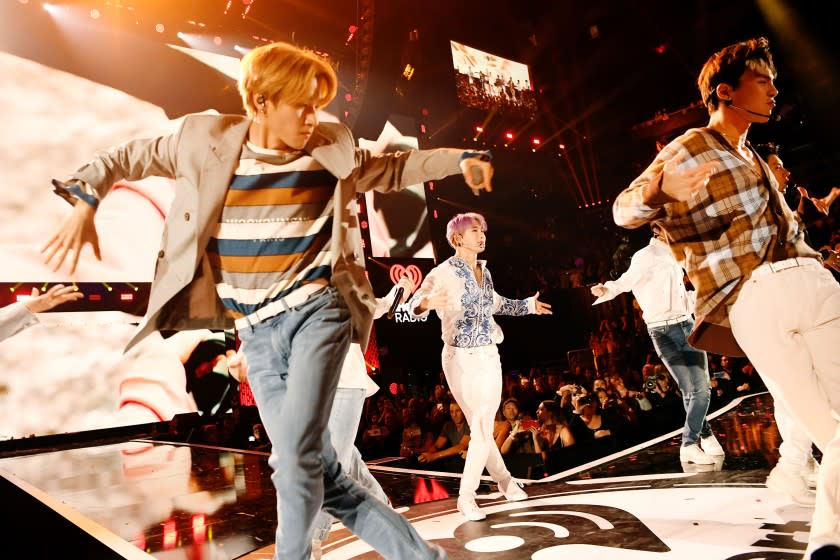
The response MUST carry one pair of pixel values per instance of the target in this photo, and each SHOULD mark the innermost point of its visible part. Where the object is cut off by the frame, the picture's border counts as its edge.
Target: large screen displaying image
(399, 222)
(81, 87)
(486, 81)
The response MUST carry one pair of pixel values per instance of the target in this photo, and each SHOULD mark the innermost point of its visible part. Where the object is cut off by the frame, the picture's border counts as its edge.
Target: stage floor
(159, 500)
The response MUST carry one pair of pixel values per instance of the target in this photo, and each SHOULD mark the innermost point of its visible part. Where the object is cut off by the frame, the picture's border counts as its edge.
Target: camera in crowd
(650, 381)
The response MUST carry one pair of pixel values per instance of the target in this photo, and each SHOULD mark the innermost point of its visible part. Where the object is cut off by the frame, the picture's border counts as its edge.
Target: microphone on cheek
(770, 116)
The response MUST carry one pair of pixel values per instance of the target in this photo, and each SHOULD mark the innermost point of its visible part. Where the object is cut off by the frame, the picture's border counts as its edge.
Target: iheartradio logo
(397, 271)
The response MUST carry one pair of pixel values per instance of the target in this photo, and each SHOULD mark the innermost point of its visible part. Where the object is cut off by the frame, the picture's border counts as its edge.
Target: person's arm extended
(397, 170)
(383, 304)
(432, 294)
(519, 307)
(456, 449)
(84, 189)
(675, 175)
(502, 436)
(624, 283)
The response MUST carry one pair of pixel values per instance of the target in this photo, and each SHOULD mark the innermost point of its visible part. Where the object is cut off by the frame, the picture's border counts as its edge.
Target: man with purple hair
(460, 290)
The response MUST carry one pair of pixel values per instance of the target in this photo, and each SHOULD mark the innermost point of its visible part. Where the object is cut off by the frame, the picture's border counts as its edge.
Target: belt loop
(285, 305)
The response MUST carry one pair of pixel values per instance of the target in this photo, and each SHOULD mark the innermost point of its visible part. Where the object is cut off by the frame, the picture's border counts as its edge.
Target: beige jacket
(201, 157)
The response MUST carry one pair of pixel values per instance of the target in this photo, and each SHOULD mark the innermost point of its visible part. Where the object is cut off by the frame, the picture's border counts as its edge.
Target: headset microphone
(774, 118)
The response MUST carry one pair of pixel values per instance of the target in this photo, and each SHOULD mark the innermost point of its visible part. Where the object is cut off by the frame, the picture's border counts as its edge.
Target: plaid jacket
(720, 235)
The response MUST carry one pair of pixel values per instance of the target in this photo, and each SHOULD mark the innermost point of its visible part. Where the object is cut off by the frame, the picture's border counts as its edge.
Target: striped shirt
(274, 232)
(722, 233)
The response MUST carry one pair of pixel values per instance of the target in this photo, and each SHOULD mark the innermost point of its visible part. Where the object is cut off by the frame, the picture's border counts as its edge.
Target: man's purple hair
(462, 222)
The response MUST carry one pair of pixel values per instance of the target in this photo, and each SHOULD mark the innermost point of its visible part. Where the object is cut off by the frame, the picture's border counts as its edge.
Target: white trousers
(788, 324)
(474, 376)
(795, 449)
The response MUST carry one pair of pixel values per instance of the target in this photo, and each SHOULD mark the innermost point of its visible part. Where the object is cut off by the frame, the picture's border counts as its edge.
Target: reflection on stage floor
(147, 499)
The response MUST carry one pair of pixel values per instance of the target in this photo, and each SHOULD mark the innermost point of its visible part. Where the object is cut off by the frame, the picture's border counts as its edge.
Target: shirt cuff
(483, 156)
(73, 191)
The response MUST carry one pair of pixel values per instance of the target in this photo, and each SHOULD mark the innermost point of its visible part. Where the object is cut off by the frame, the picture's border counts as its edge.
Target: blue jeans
(294, 362)
(689, 368)
(343, 423)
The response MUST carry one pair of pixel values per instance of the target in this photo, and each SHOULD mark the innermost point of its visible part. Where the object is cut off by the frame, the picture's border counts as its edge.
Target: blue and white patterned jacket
(470, 322)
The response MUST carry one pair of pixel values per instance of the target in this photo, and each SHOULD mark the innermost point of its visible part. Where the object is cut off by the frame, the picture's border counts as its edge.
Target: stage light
(241, 50)
(536, 141)
(348, 97)
(479, 129)
(94, 13)
(24, 1)
(127, 297)
(661, 48)
(217, 40)
(181, 35)
(508, 135)
(50, 8)
(351, 32)
(562, 146)
(160, 28)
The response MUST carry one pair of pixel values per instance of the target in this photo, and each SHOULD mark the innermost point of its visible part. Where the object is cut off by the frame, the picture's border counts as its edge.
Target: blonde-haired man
(263, 233)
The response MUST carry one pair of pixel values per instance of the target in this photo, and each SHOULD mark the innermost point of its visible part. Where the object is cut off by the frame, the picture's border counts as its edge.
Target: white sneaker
(469, 509)
(811, 472)
(791, 484)
(693, 454)
(513, 492)
(711, 446)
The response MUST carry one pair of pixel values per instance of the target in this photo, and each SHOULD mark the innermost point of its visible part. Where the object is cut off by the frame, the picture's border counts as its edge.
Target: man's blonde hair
(284, 72)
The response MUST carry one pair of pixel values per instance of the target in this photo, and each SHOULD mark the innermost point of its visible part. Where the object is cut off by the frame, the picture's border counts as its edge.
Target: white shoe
(693, 454)
(791, 484)
(811, 472)
(513, 492)
(469, 509)
(711, 446)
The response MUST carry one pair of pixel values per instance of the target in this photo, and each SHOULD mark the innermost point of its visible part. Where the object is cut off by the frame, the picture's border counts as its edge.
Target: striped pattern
(274, 233)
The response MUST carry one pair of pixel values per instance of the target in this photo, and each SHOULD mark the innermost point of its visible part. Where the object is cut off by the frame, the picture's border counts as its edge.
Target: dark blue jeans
(689, 368)
(294, 361)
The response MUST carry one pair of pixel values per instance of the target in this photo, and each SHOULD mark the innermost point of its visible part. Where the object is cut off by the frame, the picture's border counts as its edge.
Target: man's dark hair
(728, 65)
(767, 150)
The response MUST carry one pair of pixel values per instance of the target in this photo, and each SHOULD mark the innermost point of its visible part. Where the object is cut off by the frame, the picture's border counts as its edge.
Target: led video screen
(489, 82)
(398, 222)
(68, 100)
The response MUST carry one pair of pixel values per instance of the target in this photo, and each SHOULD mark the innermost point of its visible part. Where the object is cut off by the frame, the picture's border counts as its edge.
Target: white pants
(788, 324)
(474, 376)
(795, 449)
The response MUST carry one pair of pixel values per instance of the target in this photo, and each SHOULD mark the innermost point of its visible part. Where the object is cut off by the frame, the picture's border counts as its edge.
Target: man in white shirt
(656, 281)
(460, 290)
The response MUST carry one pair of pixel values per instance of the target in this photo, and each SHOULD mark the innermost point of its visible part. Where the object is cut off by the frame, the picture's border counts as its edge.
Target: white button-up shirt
(469, 323)
(354, 373)
(656, 281)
